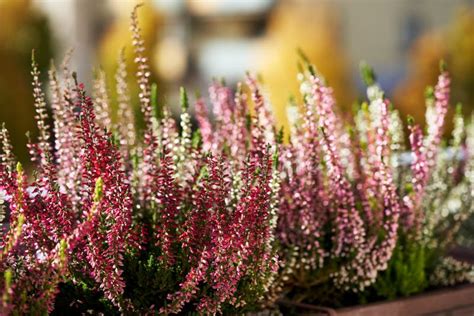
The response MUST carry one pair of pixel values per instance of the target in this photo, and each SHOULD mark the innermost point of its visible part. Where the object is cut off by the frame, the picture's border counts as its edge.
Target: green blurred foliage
(405, 274)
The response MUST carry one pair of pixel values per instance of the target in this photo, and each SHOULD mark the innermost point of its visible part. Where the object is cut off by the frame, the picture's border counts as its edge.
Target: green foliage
(184, 101)
(406, 273)
(149, 280)
(156, 106)
(367, 73)
(81, 299)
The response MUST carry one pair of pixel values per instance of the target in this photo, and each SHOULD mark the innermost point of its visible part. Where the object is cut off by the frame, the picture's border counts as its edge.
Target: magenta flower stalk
(231, 113)
(167, 198)
(205, 126)
(222, 106)
(101, 159)
(348, 234)
(262, 110)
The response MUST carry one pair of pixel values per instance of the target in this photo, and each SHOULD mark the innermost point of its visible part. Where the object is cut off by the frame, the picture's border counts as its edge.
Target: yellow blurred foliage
(456, 46)
(314, 28)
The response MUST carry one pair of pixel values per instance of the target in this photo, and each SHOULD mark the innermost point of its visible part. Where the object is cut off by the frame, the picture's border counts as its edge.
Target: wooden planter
(456, 301)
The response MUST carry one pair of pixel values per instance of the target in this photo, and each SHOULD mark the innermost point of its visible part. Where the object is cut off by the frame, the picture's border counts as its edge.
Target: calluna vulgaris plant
(154, 221)
(230, 217)
(344, 192)
(357, 214)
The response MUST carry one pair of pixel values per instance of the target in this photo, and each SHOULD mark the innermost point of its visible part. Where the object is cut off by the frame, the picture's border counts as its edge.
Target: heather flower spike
(101, 100)
(143, 72)
(126, 125)
(43, 149)
(7, 160)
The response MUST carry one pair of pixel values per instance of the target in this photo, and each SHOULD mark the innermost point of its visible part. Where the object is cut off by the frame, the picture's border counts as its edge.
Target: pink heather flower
(148, 169)
(435, 117)
(169, 132)
(209, 212)
(26, 244)
(425, 150)
(334, 190)
(101, 100)
(167, 198)
(231, 115)
(262, 110)
(100, 158)
(67, 149)
(300, 223)
(229, 251)
(46, 216)
(143, 73)
(205, 126)
(348, 231)
(223, 106)
(420, 171)
(240, 132)
(126, 126)
(390, 204)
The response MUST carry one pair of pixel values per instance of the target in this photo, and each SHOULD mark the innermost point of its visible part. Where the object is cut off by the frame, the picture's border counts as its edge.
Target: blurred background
(189, 42)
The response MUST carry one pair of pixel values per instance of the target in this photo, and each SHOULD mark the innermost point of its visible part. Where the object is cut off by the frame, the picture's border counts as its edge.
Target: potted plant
(236, 215)
(407, 208)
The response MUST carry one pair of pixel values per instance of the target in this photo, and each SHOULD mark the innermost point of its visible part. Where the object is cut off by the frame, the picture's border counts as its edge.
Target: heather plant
(339, 210)
(356, 215)
(120, 221)
(437, 190)
(359, 217)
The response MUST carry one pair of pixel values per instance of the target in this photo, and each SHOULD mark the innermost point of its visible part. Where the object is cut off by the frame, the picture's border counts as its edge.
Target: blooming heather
(105, 200)
(436, 196)
(339, 210)
(232, 216)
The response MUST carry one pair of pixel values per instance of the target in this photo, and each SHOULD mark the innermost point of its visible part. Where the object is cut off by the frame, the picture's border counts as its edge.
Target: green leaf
(184, 101)
(98, 191)
(367, 73)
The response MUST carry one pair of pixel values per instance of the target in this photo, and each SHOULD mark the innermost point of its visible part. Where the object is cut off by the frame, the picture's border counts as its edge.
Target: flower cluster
(435, 189)
(231, 216)
(106, 200)
(338, 209)
(349, 198)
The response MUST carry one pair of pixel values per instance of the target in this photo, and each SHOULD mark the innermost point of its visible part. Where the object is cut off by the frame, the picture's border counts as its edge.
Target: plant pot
(455, 301)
